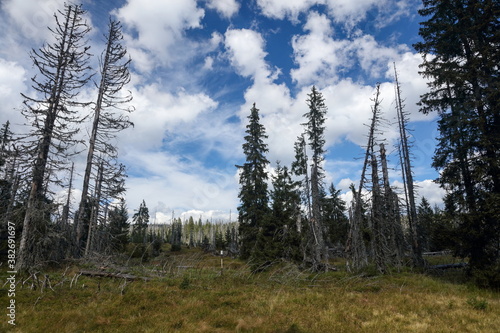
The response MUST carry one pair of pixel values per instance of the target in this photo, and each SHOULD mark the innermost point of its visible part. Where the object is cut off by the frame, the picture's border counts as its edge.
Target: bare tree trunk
(114, 76)
(356, 249)
(394, 231)
(408, 178)
(95, 211)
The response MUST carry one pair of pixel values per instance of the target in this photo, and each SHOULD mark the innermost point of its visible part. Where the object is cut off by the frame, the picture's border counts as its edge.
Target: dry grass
(189, 294)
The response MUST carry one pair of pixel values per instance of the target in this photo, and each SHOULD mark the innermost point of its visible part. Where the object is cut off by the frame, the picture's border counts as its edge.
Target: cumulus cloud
(227, 8)
(317, 54)
(281, 9)
(180, 184)
(155, 27)
(159, 111)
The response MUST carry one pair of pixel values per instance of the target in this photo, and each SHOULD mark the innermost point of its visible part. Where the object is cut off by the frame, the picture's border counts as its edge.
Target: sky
(198, 67)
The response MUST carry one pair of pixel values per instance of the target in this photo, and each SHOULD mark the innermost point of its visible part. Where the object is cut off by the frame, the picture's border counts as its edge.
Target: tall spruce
(109, 117)
(314, 129)
(254, 197)
(63, 71)
(461, 53)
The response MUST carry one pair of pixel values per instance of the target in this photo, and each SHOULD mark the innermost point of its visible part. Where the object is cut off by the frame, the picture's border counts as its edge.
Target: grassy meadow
(188, 292)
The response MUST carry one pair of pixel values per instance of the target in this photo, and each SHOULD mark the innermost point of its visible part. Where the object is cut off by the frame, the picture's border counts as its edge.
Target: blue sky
(198, 66)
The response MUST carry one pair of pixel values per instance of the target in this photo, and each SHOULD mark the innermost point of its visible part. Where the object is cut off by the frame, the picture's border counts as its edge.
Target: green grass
(196, 297)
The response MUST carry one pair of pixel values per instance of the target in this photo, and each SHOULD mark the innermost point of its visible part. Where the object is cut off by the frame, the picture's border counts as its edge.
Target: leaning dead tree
(357, 255)
(376, 237)
(63, 67)
(110, 117)
(407, 175)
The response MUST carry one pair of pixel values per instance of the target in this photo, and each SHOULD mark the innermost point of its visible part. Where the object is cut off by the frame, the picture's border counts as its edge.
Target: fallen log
(448, 266)
(114, 275)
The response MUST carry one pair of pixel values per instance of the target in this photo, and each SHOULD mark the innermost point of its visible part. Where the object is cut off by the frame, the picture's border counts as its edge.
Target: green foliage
(140, 222)
(478, 303)
(253, 209)
(185, 283)
(176, 236)
(118, 226)
(461, 52)
(334, 217)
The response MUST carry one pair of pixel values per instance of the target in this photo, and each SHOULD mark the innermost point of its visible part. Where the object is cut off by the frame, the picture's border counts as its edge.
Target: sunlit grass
(190, 293)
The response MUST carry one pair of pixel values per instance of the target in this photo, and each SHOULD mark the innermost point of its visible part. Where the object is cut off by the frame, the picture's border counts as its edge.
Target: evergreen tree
(336, 221)
(286, 212)
(425, 223)
(461, 52)
(119, 226)
(63, 67)
(176, 236)
(253, 210)
(315, 128)
(140, 221)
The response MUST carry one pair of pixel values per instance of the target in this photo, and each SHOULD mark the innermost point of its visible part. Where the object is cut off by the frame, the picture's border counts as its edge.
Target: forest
(291, 229)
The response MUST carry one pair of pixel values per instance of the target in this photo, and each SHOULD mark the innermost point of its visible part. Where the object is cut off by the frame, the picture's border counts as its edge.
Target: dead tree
(393, 226)
(407, 175)
(356, 248)
(109, 117)
(63, 67)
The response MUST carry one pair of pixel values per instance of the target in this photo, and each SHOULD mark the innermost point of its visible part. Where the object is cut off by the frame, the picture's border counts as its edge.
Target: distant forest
(291, 215)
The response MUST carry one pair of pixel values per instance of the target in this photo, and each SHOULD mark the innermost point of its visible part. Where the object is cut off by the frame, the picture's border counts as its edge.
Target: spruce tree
(140, 221)
(315, 128)
(108, 118)
(64, 70)
(118, 226)
(285, 210)
(461, 53)
(253, 210)
(336, 221)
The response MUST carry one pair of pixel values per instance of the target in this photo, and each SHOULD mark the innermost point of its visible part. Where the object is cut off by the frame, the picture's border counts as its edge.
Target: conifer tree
(140, 221)
(285, 207)
(461, 53)
(314, 129)
(108, 117)
(118, 226)
(336, 221)
(63, 67)
(253, 210)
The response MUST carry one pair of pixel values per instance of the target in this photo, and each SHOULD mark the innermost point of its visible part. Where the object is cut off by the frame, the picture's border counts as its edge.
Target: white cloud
(181, 185)
(12, 83)
(246, 53)
(318, 56)
(158, 111)
(157, 27)
(281, 9)
(351, 12)
(226, 8)
(31, 17)
(431, 191)
(346, 12)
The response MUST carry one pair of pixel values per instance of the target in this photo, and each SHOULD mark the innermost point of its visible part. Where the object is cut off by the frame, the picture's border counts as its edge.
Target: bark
(408, 177)
(58, 89)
